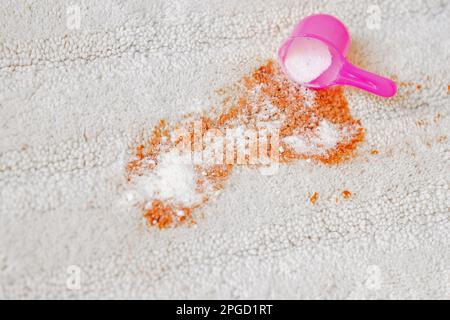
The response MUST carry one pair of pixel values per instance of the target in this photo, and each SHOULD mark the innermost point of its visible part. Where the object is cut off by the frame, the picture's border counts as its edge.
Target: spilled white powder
(267, 116)
(299, 143)
(328, 135)
(324, 138)
(309, 96)
(307, 59)
(173, 179)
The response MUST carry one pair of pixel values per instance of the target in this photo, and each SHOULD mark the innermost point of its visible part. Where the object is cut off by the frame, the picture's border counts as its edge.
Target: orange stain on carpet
(310, 125)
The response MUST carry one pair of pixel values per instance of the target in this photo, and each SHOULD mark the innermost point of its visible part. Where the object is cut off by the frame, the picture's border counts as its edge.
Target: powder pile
(307, 59)
(173, 179)
(323, 138)
(265, 119)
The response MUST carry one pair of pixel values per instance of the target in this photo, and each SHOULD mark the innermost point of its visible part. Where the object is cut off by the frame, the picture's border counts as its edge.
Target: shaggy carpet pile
(81, 80)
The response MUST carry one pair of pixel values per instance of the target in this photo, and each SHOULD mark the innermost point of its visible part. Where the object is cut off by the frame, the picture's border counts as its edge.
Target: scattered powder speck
(265, 120)
(325, 137)
(346, 194)
(314, 198)
(410, 87)
(437, 118)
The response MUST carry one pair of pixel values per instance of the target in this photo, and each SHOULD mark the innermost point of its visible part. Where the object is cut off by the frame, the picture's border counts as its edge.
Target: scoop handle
(356, 77)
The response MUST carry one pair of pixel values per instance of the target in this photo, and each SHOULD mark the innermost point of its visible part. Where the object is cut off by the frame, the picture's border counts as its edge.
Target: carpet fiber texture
(80, 81)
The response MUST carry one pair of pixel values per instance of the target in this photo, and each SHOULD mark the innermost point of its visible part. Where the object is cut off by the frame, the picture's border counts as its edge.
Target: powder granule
(314, 198)
(346, 194)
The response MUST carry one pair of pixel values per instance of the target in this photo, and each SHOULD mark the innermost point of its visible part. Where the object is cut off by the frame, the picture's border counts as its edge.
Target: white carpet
(73, 101)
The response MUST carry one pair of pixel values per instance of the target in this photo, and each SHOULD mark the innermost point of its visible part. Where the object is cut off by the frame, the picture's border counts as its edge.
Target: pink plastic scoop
(323, 29)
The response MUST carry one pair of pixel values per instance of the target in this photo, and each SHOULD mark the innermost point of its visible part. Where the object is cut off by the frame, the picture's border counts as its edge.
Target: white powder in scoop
(173, 179)
(307, 59)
